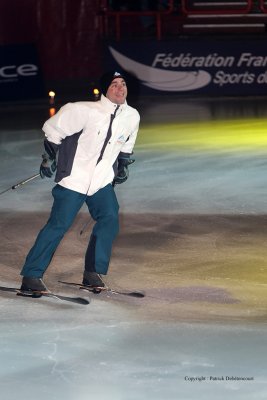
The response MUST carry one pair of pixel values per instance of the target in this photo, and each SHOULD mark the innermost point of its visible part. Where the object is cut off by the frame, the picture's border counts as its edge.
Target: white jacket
(81, 128)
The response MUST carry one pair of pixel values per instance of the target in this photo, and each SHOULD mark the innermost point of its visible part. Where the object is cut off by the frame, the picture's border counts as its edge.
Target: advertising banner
(221, 67)
(20, 77)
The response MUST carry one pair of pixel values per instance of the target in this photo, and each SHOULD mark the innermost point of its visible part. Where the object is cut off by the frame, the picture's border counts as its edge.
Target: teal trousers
(103, 207)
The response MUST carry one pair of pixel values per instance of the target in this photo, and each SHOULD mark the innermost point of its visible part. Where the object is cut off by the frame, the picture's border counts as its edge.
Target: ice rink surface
(193, 238)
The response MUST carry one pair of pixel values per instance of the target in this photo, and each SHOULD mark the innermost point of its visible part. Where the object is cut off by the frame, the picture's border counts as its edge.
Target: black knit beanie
(107, 78)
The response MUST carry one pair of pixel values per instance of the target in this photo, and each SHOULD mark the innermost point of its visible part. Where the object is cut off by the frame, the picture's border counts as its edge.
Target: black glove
(123, 173)
(48, 166)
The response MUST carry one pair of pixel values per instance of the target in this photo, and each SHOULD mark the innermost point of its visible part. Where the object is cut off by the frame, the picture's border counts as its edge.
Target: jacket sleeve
(66, 122)
(129, 144)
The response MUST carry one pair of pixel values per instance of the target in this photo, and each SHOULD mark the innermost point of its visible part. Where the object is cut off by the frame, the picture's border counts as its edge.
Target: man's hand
(123, 171)
(48, 166)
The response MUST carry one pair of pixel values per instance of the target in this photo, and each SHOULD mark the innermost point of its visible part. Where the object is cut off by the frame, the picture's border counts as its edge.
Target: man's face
(117, 91)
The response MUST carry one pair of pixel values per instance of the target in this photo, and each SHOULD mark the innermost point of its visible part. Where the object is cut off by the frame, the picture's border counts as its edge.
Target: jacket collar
(111, 107)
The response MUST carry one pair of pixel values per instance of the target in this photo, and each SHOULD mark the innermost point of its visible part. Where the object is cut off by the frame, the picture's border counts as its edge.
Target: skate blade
(30, 293)
(94, 289)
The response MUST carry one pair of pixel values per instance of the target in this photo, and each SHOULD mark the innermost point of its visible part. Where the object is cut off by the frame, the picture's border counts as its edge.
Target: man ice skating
(89, 145)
